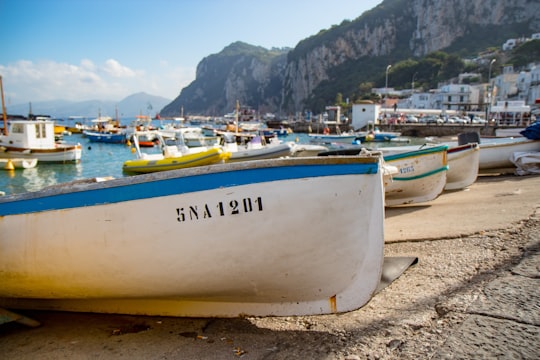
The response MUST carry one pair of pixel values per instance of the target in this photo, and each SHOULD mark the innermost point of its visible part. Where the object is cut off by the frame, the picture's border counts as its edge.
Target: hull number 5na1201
(208, 211)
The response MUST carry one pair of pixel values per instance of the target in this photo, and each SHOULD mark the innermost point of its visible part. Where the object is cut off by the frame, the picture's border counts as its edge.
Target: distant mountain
(351, 55)
(139, 103)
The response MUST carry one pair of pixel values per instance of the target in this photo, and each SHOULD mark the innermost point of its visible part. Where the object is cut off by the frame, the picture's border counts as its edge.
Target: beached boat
(497, 153)
(200, 242)
(462, 162)
(34, 139)
(12, 164)
(421, 172)
(421, 177)
(463, 165)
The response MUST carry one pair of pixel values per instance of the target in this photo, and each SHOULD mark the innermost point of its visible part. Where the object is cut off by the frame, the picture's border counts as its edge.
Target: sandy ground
(464, 241)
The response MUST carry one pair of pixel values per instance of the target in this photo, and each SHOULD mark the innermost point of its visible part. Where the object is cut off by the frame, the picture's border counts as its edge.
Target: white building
(364, 114)
(456, 97)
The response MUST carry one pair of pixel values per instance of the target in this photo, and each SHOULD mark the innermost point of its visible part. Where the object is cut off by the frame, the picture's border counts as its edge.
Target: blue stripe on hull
(146, 186)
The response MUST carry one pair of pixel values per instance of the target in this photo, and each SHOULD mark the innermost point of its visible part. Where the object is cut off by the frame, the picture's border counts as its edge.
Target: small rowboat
(200, 242)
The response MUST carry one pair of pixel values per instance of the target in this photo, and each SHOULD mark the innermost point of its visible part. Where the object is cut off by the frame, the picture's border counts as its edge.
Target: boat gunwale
(86, 185)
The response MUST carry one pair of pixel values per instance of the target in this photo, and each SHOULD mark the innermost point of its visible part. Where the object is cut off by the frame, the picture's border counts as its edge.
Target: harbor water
(101, 160)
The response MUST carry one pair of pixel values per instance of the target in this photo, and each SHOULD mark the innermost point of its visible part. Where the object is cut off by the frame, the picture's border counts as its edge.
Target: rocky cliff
(353, 52)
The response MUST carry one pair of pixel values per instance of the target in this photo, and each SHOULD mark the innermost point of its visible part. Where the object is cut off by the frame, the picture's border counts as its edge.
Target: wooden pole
(4, 115)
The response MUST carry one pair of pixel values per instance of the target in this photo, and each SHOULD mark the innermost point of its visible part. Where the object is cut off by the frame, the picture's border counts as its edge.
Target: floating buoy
(132, 150)
(128, 143)
(9, 165)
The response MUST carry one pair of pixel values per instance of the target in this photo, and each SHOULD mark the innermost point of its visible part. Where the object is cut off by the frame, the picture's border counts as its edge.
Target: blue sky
(109, 49)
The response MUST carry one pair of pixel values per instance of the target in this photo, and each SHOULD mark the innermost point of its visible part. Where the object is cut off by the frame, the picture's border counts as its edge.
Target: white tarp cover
(526, 162)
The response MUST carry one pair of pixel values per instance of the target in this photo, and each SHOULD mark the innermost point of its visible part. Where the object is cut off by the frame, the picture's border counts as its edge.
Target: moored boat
(12, 164)
(34, 139)
(105, 136)
(200, 242)
(172, 157)
(256, 148)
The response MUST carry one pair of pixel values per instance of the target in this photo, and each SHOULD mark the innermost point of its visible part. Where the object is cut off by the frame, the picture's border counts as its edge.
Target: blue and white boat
(200, 242)
(105, 136)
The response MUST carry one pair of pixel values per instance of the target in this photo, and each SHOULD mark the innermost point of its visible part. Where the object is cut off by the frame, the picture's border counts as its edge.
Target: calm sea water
(98, 160)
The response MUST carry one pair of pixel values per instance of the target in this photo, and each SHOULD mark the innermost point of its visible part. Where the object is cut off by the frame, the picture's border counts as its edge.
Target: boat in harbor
(200, 242)
(12, 164)
(34, 139)
(255, 147)
(171, 157)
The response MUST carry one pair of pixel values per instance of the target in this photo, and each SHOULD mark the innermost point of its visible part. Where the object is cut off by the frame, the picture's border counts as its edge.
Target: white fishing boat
(200, 242)
(421, 178)
(497, 153)
(34, 139)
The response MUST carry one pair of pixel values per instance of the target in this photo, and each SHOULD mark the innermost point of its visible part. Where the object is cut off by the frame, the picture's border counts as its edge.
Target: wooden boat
(497, 153)
(11, 164)
(200, 242)
(34, 139)
(462, 161)
(463, 164)
(421, 178)
(421, 172)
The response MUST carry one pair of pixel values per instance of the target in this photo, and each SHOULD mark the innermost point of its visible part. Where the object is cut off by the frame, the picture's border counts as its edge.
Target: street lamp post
(489, 90)
(386, 85)
(412, 86)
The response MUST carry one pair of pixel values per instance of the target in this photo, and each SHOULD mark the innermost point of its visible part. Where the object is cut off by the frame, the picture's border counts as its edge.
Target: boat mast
(4, 115)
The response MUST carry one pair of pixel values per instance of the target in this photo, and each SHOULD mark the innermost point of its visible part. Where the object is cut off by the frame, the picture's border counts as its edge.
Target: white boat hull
(498, 154)
(265, 152)
(220, 241)
(328, 139)
(421, 177)
(18, 163)
(462, 166)
(68, 154)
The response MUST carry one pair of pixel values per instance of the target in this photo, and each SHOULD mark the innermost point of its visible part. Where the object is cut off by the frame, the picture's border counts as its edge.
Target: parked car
(431, 119)
(478, 120)
(411, 119)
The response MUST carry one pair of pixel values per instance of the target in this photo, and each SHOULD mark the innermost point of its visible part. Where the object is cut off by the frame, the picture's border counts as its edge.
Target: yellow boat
(157, 162)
